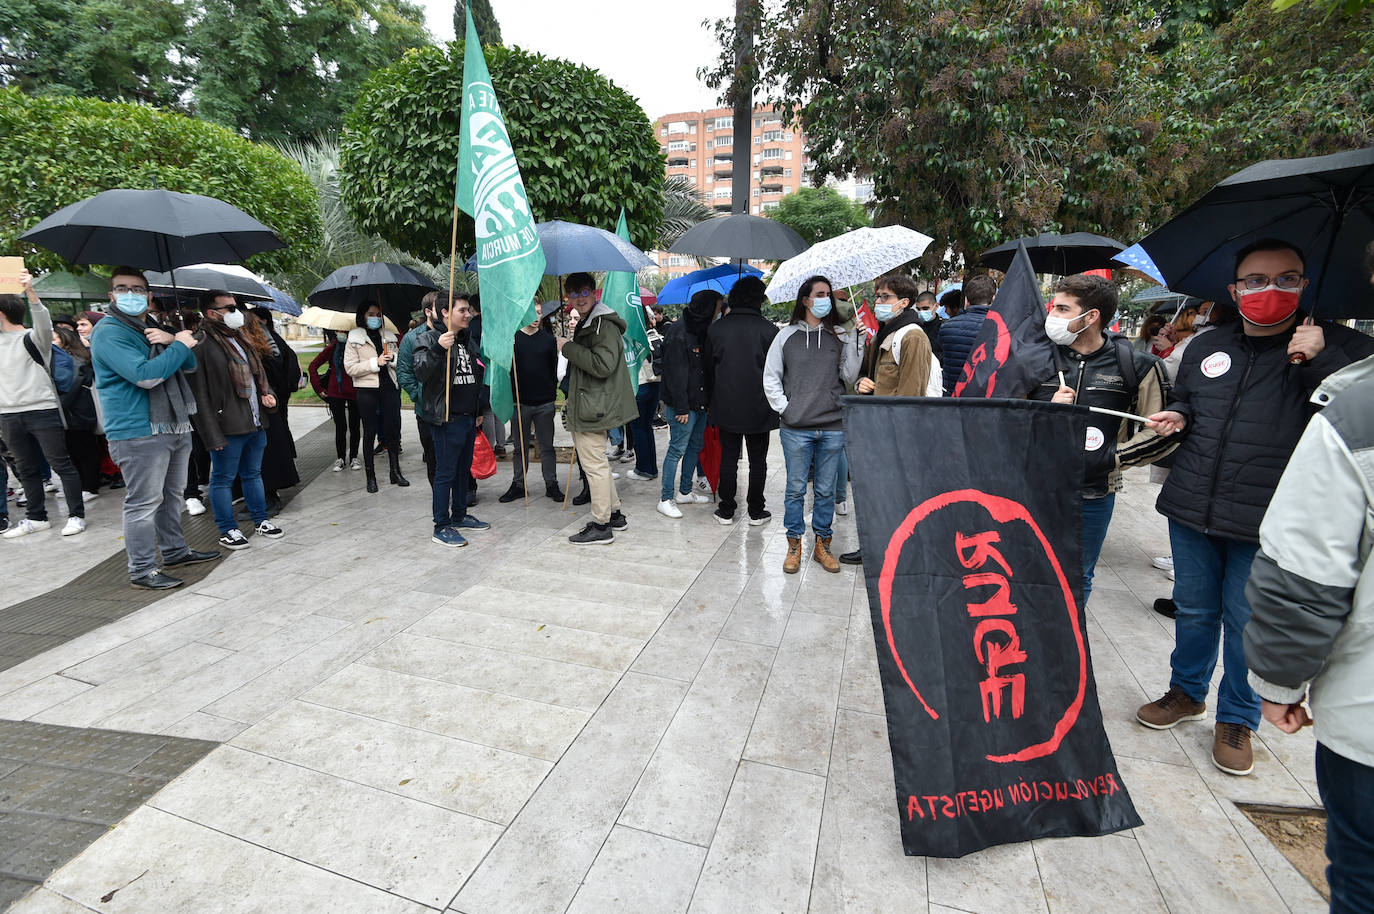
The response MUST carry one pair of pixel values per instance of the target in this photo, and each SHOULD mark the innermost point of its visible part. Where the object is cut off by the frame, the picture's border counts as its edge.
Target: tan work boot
(822, 555)
(792, 564)
(1231, 750)
(1167, 712)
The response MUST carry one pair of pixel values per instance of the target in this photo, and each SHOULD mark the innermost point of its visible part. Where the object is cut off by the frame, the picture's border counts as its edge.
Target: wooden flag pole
(448, 353)
(519, 426)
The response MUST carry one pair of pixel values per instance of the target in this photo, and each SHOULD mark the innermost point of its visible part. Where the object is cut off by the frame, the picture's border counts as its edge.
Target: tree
(819, 213)
(281, 70)
(130, 49)
(62, 150)
(488, 29)
(683, 207)
(584, 145)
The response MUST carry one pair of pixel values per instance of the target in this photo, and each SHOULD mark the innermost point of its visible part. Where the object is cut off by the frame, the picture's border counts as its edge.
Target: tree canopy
(483, 18)
(819, 213)
(584, 145)
(62, 150)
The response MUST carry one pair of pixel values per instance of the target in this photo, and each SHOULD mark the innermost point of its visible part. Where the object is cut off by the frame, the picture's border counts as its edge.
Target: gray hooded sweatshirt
(806, 372)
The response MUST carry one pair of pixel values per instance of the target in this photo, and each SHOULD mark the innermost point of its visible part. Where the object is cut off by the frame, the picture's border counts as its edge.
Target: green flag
(621, 292)
(510, 261)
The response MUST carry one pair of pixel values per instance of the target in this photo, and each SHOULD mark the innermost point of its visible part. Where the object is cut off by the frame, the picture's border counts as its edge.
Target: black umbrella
(396, 288)
(1062, 255)
(740, 237)
(1323, 204)
(152, 229)
(203, 277)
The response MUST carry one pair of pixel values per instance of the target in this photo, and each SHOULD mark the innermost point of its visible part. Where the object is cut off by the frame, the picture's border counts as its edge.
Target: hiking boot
(822, 555)
(1170, 710)
(1231, 750)
(792, 564)
(593, 534)
(551, 490)
(584, 497)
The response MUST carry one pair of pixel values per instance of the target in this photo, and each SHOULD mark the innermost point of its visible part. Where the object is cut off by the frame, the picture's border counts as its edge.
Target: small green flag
(510, 262)
(620, 292)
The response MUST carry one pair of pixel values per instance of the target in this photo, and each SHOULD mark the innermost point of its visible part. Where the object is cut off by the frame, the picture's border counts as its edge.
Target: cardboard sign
(974, 574)
(10, 269)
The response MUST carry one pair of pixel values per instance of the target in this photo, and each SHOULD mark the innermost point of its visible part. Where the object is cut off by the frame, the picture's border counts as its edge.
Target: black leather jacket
(431, 361)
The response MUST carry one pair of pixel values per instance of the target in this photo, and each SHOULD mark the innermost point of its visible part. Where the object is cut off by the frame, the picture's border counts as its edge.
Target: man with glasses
(147, 404)
(1242, 396)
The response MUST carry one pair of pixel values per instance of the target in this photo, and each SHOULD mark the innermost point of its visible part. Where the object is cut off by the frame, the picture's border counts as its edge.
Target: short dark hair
(127, 271)
(208, 298)
(926, 296)
(979, 291)
(427, 302)
(444, 303)
(12, 306)
(360, 316)
(1267, 244)
(579, 281)
(1092, 293)
(748, 293)
(899, 284)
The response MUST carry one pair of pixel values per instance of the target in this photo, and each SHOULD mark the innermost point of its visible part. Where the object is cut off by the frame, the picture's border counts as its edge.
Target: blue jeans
(684, 444)
(616, 435)
(1097, 515)
(800, 448)
(1209, 589)
(1347, 792)
(842, 478)
(453, 441)
(646, 455)
(241, 456)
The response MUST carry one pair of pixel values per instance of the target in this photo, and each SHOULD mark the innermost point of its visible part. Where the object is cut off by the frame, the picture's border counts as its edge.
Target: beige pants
(591, 453)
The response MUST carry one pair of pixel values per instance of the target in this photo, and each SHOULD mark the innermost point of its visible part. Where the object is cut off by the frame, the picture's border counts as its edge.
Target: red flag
(866, 318)
(1105, 274)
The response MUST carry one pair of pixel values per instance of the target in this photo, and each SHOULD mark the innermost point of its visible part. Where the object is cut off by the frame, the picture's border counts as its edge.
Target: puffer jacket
(450, 380)
(1246, 408)
(1311, 588)
(957, 336)
(360, 358)
(1110, 442)
(684, 375)
(737, 347)
(600, 395)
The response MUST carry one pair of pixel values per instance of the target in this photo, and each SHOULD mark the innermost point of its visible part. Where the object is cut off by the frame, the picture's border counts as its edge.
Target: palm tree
(683, 207)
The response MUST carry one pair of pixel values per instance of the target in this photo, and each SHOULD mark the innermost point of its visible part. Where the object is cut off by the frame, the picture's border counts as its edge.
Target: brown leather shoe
(1170, 710)
(792, 564)
(1231, 750)
(822, 554)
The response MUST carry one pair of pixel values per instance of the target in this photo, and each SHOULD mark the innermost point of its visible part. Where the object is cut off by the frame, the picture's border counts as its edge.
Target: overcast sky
(651, 50)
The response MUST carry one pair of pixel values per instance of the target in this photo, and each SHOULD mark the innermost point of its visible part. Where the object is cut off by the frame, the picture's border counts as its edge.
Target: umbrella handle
(1298, 358)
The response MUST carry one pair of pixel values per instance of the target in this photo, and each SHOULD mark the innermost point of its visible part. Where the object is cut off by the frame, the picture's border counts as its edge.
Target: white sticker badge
(1095, 439)
(1216, 364)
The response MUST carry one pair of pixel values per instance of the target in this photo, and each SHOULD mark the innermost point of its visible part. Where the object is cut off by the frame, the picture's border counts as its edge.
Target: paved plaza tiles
(668, 724)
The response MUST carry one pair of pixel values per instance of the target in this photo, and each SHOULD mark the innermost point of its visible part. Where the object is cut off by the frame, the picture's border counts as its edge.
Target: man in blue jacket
(147, 407)
(958, 334)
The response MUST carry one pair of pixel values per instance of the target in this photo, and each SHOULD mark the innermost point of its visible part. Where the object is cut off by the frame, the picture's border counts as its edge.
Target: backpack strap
(1125, 360)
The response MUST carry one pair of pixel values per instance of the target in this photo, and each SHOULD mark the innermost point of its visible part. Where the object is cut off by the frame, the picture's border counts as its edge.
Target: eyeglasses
(137, 290)
(223, 308)
(585, 293)
(884, 296)
(1286, 281)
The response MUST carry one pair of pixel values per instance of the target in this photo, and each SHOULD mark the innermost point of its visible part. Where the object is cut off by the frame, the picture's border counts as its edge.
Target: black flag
(974, 574)
(1011, 354)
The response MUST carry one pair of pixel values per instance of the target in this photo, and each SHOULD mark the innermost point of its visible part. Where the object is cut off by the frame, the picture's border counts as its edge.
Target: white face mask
(1057, 329)
(233, 320)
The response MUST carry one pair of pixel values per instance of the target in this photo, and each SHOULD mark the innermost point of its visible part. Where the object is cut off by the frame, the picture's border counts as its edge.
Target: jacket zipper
(1226, 436)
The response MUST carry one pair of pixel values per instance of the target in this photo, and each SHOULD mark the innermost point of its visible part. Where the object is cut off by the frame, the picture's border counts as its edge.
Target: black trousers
(197, 469)
(347, 427)
(427, 446)
(757, 445)
(380, 411)
(32, 436)
(85, 449)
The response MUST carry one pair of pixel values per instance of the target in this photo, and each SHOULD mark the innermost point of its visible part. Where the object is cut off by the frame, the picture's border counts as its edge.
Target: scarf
(870, 366)
(243, 369)
(171, 403)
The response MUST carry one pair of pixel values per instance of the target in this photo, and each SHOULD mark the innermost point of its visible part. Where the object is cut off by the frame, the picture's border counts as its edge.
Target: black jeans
(757, 445)
(380, 410)
(427, 447)
(346, 426)
(1347, 789)
(85, 450)
(32, 436)
(197, 468)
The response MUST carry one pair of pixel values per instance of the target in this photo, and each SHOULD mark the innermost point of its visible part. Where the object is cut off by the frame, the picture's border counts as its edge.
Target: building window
(772, 136)
(768, 206)
(787, 154)
(725, 141)
(756, 175)
(787, 172)
(755, 192)
(710, 143)
(710, 125)
(710, 161)
(758, 122)
(789, 136)
(679, 127)
(678, 146)
(663, 131)
(756, 210)
(710, 178)
(724, 123)
(691, 163)
(775, 154)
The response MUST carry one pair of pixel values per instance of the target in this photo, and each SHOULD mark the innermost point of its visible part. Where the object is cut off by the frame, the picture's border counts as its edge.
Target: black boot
(584, 497)
(514, 493)
(396, 478)
(371, 481)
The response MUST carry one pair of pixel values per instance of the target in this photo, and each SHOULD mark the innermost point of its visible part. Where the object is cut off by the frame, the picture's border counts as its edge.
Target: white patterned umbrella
(848, 259)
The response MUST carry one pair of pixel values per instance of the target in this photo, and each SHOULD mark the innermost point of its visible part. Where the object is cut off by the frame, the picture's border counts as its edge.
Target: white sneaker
(74, 526)
(1163, 562)
(703, 487)
(195, 507)
(338, 465)
(24, 528)
(635, 474)
(629, 457)
(666, 508)
(49, 487)
(615, 475)
(842, 508)
(691, 498)
(356, 464)
(89, 496)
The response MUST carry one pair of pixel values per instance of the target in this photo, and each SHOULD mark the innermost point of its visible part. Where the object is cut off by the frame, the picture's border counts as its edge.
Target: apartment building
(702, 146)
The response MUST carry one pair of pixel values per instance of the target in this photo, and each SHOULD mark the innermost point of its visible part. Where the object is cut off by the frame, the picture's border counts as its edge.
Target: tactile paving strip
(63, 787)
(103, 594)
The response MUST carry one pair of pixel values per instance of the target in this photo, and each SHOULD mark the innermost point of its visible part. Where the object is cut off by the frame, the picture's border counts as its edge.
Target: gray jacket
(805, 373)
(1310, 591)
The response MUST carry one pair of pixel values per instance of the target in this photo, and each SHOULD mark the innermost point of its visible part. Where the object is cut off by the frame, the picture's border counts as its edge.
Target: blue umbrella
(572, 248)
(283, 302)
(1137, 258)
(720, 278)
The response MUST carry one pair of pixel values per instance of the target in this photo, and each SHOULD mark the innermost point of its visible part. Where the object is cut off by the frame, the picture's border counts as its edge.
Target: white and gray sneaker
(703, 487)
(841, 508)
(338, 465)
(49, 486)
(269, 530)
(356, 464)
(195, 507)
(89, 496)
(668, 509)
(24, 527)
(74, 526)
(691, 498)
(234, 539)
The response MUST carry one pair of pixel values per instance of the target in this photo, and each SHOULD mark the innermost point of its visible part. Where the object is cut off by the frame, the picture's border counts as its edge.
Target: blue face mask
(374, 323)
(944, 315)
(131, 303)
(820, 307)
(925, 315)
(882, 311)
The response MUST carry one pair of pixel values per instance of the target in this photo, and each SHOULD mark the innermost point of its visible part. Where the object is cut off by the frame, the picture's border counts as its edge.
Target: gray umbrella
(741, 237)
(205, 276)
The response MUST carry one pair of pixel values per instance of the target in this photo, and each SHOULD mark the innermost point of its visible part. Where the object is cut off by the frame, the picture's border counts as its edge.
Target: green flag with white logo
(510, 262)
(620, 291)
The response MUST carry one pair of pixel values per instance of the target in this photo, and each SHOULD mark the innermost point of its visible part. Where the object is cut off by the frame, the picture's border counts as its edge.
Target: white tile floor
(668, 724)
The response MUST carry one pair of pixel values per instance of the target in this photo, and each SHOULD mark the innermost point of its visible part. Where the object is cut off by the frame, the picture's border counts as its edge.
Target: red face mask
(1268, 306)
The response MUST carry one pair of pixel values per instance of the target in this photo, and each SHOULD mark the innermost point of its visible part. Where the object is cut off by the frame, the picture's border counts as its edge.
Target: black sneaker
(554, 492)
(269, 530)
(234, 539)
(1166, 608)
(758, 520)
(593, 534)
(618, 521)
(155, 581)
(514, 493)
(4, 522)
(852, 558)
(584, 497)
(192, 557)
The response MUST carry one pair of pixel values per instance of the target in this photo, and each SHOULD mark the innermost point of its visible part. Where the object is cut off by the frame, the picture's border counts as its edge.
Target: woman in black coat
(284, 375)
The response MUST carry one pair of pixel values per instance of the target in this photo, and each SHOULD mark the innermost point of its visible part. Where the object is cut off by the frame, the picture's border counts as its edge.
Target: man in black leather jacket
(1243, 400)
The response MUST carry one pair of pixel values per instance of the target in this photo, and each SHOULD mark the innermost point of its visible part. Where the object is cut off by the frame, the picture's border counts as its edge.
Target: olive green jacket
(600, 394)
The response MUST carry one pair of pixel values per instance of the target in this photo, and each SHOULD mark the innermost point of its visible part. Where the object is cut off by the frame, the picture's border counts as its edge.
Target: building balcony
(771, 169)
(677, 161)
(722, 206)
